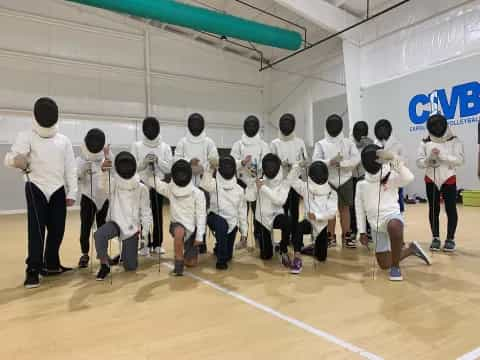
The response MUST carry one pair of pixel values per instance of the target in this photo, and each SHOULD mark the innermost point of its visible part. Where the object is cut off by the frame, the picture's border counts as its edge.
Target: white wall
(93, 64)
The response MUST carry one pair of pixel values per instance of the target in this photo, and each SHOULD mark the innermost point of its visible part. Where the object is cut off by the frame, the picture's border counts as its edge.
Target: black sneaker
(449, 246)
(114, 261)
(54, 272)
(221, 266)
(435, 245)
(202, 249)
(103, 272)
(350, 242)
(332, 241)
(83, 262)
(31, 279)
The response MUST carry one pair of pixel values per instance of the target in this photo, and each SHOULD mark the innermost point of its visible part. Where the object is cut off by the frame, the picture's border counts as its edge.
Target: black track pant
(156, 239)
(88, 213)
(321, 241)
(265, 237)
(449, 194)
(291, 209)
(45, 215)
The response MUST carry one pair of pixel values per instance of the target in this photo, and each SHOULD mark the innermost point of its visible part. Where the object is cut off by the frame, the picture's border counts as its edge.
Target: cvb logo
(464, 98)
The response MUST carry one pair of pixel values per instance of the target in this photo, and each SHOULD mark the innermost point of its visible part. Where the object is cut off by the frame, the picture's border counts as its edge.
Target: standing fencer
(199, 150)
(153, 155)
(47, 159)
(361, 140)
(291, 150)
(228, 209)
(440, 154)
(341, 156)
(94, 201)
(187, 214)
(385, 139)
(377, 203)
(130, 212)
(248, 153)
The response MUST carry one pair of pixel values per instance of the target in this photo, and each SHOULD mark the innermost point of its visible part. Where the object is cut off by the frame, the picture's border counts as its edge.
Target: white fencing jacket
(187, 205)
(328, 148)
(320, 200)
(290, 149)
(229, 201)
(200, 147)
(51, 160)
(270, 199)
(451, 156)
(141, 149)
(394, 146)
(86, 162)
(257, 149)
(369, 190)
(129, 204)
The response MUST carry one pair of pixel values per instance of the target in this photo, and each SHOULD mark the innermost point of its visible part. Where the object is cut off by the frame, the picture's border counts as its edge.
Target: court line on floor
(300, 324)
(472, 355)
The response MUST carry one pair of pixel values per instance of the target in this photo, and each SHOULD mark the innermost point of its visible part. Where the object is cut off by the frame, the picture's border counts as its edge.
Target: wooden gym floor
(253, 311)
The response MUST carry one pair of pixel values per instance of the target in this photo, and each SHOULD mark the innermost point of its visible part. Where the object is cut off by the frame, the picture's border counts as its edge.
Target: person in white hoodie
(291, 150)
(228, 209)
(377, 203)
(94, 201)
(248, 153)
(385, 139)
(440, 154)
(153, 155)
(341, 156)
(129, 213)
(47, 160)
(187, 214)
(271, 193)
(320, 206)
(199, 150)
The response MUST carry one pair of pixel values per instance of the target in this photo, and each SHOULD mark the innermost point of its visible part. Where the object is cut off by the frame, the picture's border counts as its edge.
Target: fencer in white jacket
(440, 156)
(271, 193)
(320, 206)
(153, 155)
(377, 202)
(341, 156)
(47, 159)
(228, 209)
(187, 214)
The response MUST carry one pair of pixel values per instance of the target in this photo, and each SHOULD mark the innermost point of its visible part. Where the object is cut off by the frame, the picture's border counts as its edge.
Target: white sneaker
(145, 251)
(159, 250)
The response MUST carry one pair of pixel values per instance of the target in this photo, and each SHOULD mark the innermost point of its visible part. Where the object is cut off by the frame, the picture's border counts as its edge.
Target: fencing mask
(360, 130)
(227, 167)
(251, 126)
(196, 124)
(46, 112)
(182, 173)
(151, 128)
(369, 159)
(95, 140)
(271, 164)
(287, 124)
(437, 125)
(318, 172)
(383, 130)
(125, 165)
(334, 125)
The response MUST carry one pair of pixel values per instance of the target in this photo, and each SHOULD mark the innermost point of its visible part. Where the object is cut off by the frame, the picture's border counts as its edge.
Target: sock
(179, 266)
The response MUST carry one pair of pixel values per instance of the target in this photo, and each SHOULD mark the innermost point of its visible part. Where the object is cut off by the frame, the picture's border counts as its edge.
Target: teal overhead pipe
(197, 18)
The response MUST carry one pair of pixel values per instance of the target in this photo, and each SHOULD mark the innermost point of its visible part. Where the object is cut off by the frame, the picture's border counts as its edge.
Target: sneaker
(349, 242)
(418, 251)
(83, 262)
(159, 250)
(54, 272)
(285, 259)
(241, 245)
(332, 241)
(114, 261)
(221, 266)
(395, 274)
(449, 246)
(202, 249)
(103, 272)
(297, 266)
(436, 244)
(174, 273)
(31, 279)
(144, 251)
